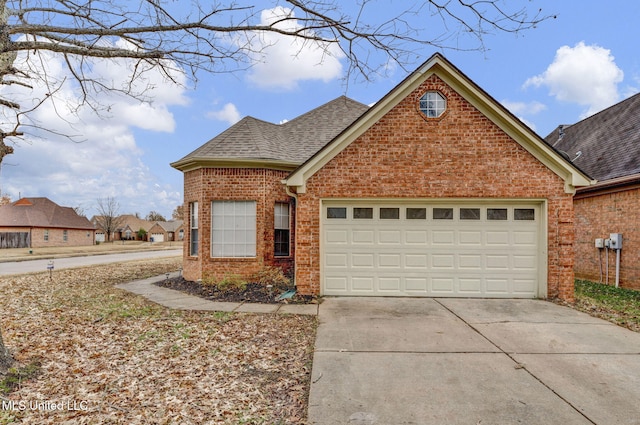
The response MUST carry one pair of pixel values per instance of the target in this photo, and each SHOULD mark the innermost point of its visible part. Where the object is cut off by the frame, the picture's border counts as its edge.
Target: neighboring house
(40, 222)
(607, 147)
(167, 231)
(129, 227)
(436, 190)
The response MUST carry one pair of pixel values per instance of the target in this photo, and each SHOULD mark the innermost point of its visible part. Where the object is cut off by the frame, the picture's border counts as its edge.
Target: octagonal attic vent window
(433, 104)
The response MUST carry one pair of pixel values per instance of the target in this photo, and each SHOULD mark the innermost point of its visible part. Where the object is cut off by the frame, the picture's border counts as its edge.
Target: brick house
(40, 222)
(436, 190)
(167, 231)
(607, 147)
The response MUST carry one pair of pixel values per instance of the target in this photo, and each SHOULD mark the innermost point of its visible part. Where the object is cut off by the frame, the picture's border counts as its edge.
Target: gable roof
(475, 95)
(607, 144)
(133, 223)
(170, 226)
(253, 142)
(41, 212)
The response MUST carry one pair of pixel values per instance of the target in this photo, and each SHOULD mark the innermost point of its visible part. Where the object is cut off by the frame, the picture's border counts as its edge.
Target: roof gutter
(604, 187)
(190, 164)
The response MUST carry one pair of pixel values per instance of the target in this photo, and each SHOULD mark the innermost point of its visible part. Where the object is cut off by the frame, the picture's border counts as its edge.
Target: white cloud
(229, 113)
(103, 159)
(530, 108)
(585, 75)
(282, 62)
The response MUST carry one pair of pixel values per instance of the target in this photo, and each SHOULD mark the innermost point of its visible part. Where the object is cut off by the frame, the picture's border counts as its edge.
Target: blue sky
(558, 73)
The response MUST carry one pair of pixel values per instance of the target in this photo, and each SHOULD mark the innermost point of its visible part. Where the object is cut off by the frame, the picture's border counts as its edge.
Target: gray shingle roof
(294, 141)
(41, 212)
(609, 141)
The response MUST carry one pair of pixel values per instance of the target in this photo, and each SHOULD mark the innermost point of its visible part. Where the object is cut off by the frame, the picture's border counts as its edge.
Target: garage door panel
(468, 261)
(443, 237)
(336, 237)
(497, 286)
(416, 237)
(498, 238)
(470, 286)
(473, 238)
(443, 261)
(336, 284)
(442, 285)
(389, 284)
(524, 262)
(416, 261)
(363, 237)
(525, 238)
(362, 261)
(416, 251)
(363, 284)
(338, 260)
(497, 262)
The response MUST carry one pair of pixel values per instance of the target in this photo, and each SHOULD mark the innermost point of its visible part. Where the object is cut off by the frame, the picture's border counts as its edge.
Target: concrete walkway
(182, 301)
(460, 361)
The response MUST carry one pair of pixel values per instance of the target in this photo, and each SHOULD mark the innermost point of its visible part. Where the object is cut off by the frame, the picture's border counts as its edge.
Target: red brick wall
(597, 217)
(241, 184)
(460, 155)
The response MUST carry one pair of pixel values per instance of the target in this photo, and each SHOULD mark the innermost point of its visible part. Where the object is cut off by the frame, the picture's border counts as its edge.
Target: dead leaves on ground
(108, 356)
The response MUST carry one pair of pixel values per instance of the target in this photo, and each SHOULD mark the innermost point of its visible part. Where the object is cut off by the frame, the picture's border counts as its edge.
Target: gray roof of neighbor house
(606, 145)
(170, 226)
(292, 142)
(41, 212)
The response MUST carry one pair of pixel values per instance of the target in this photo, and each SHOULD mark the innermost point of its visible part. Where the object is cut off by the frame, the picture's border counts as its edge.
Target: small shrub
(230, 282)
(15, 376)
(274, 276)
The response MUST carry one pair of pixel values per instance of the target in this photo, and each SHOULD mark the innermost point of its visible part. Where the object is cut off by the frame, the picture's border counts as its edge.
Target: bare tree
(221, 36)
(5, 357)
(178, 213)
(155, 216)
(108, 217)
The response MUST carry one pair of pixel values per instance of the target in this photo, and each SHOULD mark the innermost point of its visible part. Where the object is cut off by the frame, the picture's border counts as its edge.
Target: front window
(65, 235)
(233, 229)
(282, 231)
(193, 227)
(46, 235)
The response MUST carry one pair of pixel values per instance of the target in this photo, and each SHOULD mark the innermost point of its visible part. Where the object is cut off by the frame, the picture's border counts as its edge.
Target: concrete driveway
(459, 361)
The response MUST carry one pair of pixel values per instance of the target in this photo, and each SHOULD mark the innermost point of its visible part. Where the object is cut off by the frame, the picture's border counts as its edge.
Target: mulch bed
(254, 292)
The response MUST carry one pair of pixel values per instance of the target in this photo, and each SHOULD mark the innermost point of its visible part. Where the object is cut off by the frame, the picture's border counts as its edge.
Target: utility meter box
(599, 243)
(616, 240)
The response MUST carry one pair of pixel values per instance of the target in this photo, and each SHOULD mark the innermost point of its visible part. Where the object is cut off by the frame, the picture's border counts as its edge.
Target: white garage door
(441, 250)
(158, 237)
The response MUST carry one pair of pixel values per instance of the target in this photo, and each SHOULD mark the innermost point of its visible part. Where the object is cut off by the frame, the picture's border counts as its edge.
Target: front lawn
(87, 352)
(618, 305)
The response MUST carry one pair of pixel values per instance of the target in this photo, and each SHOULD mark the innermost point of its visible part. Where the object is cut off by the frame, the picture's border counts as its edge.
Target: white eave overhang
(194, 163)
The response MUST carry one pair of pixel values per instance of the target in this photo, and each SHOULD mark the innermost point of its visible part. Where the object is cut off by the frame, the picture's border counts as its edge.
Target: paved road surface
(19, 267)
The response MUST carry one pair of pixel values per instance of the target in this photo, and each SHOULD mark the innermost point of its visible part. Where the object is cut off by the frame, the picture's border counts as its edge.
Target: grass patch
(15, 376)
(618, 305)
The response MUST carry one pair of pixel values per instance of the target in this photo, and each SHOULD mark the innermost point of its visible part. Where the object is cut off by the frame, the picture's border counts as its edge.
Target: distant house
(129, 226)
(607, 147)
(167, 231)
(40, 222)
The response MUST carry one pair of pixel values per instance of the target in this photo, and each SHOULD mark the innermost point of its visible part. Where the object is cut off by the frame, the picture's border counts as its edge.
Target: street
(20, 267)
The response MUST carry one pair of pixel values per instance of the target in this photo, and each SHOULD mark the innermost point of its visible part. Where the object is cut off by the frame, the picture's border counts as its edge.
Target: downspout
(295, 240)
